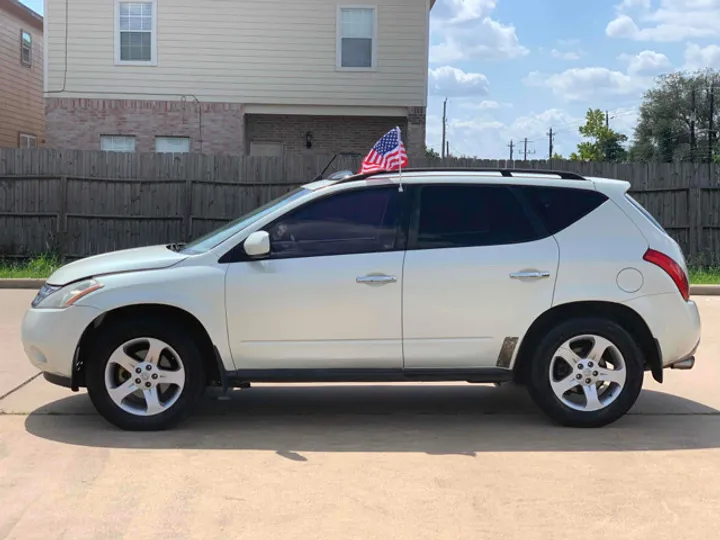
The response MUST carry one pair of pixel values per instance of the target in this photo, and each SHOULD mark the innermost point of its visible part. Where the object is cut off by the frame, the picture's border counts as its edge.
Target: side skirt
(479, 375)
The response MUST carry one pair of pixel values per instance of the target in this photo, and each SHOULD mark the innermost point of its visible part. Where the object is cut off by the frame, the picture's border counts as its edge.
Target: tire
(111, 368)
(585, 336)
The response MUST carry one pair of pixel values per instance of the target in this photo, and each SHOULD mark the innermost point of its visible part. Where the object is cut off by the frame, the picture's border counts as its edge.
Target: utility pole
(550, 150)
(607, 119)
(710, 130)
(447, 150)
(525, 156)
(693, 154)
(444, 126)
(511, 146)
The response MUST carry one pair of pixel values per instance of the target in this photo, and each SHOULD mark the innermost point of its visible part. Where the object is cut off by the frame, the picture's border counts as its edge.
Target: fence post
(187, 218)
(62, 219)
(695, 214)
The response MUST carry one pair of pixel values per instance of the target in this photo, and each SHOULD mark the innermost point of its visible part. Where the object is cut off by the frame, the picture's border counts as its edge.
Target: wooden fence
(79, 203)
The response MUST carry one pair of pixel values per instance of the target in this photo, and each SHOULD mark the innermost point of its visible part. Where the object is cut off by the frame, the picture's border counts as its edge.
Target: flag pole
(400, 188)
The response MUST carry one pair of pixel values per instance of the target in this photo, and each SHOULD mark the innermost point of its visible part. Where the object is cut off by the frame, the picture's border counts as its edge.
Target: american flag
(388, 154)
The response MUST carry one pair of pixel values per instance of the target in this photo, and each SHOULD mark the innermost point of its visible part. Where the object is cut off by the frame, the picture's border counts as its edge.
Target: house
(248, 77)
(22, 118)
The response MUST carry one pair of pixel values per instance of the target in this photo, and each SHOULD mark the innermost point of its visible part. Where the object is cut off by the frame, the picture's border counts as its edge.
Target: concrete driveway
(422, 461)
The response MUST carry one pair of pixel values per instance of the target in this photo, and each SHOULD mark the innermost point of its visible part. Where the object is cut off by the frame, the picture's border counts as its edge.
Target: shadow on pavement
(432, 419)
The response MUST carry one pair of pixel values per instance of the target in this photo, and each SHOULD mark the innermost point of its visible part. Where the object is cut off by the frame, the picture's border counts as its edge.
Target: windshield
(216, 237)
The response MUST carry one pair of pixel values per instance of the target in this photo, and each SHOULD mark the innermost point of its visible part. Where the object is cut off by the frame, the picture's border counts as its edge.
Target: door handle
(530, 275)
(376, 279)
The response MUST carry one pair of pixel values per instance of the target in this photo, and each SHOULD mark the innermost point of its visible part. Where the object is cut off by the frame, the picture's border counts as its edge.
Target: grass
(705, 276)
(38, 267)
(44, 265)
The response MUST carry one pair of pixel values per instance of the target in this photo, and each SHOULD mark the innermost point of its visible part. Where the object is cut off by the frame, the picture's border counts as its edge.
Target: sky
(513, 69)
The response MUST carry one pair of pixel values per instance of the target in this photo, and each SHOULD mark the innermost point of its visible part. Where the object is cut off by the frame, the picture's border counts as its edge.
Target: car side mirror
(257, 244)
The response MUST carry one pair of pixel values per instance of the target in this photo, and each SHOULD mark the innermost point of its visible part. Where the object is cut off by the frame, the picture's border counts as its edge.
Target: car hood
(126, 260)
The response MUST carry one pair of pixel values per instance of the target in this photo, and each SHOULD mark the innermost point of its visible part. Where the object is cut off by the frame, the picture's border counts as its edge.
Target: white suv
(559, 282)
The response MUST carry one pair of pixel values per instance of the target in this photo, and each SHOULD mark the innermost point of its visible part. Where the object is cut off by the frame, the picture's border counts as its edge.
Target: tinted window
(559, 207)
(351, 222)
(459, 216)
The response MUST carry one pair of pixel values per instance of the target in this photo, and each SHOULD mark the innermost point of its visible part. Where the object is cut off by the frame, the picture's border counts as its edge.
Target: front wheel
(586, 373)
(145, 375)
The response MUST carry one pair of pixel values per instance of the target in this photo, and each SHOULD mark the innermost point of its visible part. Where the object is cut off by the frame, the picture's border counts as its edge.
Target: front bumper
(51, 336)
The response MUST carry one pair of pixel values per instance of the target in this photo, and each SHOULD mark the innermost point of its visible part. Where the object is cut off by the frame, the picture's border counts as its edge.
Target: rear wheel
(586, 372)
(145, 375)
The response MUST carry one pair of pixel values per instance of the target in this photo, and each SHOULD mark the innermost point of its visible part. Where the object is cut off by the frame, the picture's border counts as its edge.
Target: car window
(471, 215)
(560, 207)
(358, 221)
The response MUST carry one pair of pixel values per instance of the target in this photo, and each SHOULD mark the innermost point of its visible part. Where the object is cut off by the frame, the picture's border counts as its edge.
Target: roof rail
(565, 175)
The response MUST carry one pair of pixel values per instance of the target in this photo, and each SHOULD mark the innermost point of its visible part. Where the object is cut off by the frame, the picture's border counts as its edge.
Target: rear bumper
(674, 323)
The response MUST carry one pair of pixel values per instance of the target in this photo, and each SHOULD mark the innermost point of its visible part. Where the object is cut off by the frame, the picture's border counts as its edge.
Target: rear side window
(452, 216)
(559, 207)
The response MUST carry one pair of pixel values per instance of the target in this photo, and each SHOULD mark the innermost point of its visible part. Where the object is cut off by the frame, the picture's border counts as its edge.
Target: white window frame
(166, 137)
(132, 137)
(25, 138)
(153, 35)
(338, 38)
(29, 63)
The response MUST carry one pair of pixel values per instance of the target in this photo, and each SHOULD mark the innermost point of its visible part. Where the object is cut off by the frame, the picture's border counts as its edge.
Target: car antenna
(332, 160)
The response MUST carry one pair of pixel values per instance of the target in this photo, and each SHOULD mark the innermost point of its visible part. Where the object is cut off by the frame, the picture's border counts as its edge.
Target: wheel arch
(211, 359)
(627, 317)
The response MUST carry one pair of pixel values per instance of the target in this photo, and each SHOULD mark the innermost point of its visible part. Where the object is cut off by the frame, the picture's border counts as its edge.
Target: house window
(173, 145)
(25, 140)
(135, 32)
(117, 143)
(25, 48)
(357, 30)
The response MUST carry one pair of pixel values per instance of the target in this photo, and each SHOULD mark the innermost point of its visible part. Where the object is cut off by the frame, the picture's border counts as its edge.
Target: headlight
(54, 297)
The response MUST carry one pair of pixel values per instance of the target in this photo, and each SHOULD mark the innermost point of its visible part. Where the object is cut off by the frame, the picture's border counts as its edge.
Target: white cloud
(622, 26)
(464, 30)
(672, 21)
(489, 138)
(633, 5)
(569, 55)
(646, 63)
(452, 81)
(588, 83)
(484, 105)
(697, 57)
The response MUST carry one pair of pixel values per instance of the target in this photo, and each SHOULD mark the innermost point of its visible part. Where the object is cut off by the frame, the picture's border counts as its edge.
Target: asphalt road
(420, 461)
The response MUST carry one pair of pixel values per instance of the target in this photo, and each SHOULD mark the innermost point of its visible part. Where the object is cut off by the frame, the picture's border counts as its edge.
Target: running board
(478, 375)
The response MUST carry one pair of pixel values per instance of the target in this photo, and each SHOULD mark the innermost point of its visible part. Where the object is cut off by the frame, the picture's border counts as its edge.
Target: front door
(329, 294)
(477, 273)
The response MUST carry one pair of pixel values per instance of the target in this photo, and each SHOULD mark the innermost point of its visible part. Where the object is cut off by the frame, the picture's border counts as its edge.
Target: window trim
(22, 46)
(237, 254)
(133, 137)
(338, 38)
(153, 35)
(28, 136)
(414, 220)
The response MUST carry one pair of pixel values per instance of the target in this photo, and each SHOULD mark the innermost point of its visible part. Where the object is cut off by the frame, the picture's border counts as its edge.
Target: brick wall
(218, 128)
(330, 134)
(213, 128)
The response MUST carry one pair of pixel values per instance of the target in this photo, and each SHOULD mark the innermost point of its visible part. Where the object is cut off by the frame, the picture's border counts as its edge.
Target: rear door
(478, 271)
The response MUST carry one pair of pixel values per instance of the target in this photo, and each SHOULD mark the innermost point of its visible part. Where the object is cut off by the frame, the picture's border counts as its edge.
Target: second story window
(25, 48)
(357, 31)
(135, 40)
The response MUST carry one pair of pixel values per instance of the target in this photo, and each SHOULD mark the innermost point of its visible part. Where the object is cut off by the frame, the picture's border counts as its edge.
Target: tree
(430, 153)
(605, 143)
(664, 128)
(557, 156)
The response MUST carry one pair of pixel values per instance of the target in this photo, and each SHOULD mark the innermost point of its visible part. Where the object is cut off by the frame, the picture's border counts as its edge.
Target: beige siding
(21, 99)
(261, 51)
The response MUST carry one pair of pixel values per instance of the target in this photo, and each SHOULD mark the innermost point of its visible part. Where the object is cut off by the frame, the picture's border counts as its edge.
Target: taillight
(671, 268)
